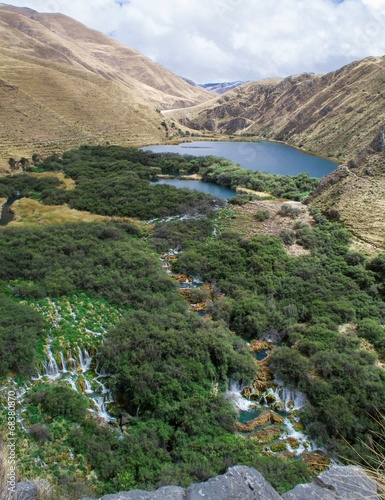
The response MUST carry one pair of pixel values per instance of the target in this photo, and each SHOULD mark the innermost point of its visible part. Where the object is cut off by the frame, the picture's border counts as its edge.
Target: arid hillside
(355, 194)
(333, 115)
(63, 84)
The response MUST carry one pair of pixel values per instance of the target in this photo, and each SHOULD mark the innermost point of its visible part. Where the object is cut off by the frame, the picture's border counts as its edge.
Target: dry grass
(360, 201)
(246, 223)
(260, 194)
(63, 85)
(30, 213)
(375, 468)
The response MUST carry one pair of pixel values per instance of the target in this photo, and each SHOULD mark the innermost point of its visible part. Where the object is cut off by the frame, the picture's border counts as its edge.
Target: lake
(266, 156)
(205, 187)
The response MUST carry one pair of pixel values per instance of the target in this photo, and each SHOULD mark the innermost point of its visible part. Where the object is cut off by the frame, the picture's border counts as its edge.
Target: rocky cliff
(332, 114)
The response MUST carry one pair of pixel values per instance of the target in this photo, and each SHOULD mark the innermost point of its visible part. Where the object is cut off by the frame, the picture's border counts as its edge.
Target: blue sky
(224, 40)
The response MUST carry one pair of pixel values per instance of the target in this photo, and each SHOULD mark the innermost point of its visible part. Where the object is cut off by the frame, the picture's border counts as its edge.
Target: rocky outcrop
(342, 483)
(244, 483)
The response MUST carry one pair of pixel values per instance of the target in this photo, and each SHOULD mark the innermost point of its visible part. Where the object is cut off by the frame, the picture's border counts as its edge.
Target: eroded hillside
(333, 114)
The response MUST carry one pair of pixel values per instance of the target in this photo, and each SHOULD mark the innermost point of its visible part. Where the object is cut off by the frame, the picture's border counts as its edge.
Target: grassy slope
(63, 85)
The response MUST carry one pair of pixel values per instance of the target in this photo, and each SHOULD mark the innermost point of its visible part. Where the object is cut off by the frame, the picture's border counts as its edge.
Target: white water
(304, 443)
(97, 334)
(233, 394)
(50, 366)
(63, 363)
(84, 359)
(293, 399)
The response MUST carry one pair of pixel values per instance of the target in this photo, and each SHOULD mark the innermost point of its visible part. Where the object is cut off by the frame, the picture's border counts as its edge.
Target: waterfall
(300, 437)
(233, 394)
(84, 360)
(97, 334)
(51, 368)
(293, 399)
(63, 363)
(88, 389)
(72, 383)
(101, 411)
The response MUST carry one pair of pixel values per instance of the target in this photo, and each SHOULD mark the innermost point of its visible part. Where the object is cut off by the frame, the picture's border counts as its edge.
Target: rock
(292, 442)
(378, 144)
(26, 491)
(239, 483)
(267, 434)
(342, 483)
(164, 493)
(352, 164)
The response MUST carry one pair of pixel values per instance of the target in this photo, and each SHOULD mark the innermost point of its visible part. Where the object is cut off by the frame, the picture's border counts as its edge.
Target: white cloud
(236, 39)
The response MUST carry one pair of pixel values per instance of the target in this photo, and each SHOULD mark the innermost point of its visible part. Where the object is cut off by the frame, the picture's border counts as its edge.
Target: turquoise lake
(265, 156)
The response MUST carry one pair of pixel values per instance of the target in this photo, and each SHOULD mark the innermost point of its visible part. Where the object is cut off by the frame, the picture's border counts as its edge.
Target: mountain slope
(62, 85)
(333, 114)
(355, 194)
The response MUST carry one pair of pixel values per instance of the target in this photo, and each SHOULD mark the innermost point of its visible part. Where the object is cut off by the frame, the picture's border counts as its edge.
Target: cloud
(222, 40)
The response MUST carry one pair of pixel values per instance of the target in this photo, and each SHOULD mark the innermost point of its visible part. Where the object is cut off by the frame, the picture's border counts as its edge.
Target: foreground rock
(342, 483)
(243, 483)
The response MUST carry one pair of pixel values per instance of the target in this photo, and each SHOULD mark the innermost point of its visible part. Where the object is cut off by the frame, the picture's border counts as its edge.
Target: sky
(227, 40)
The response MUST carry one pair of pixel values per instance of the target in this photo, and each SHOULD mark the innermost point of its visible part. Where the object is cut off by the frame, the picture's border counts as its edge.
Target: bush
(59, 400)
(288, 210)
(262, 215)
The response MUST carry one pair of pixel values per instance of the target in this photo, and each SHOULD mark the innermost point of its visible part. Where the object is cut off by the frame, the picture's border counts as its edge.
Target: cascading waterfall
(51, 367)
(234, 395)
(292, 399)
(63, 363)
(300, 437)
(75, 370)
(84, 359)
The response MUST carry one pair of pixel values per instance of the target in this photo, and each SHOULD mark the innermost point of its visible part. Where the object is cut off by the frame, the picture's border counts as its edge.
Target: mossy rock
(267, 435)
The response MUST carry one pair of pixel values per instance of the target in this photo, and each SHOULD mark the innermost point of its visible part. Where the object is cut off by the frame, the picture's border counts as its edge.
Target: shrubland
(168, 367)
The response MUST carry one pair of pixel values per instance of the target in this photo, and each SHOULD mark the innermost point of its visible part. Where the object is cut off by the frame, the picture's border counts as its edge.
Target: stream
(6, 213)
(267, 410)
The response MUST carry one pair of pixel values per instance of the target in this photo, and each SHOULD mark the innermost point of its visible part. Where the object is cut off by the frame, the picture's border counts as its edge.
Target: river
(272, 157)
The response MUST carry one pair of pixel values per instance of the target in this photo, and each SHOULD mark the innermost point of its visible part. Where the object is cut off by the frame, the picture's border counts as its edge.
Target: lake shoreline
(251, 139)
(273, 157)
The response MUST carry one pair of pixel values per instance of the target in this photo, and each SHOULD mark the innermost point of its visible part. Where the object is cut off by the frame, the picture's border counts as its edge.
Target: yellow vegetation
(30, 212)
(67, 181)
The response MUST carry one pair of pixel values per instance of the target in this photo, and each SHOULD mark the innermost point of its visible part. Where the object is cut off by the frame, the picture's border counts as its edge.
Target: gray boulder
(342, 483)
(167, 492)
(239, 483)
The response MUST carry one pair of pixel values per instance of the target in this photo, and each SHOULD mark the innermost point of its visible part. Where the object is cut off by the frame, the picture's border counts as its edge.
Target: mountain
(355, 195)
(63, 84)
(333, 114)
(221, 88)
